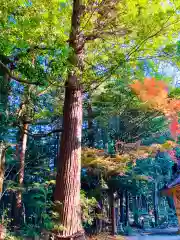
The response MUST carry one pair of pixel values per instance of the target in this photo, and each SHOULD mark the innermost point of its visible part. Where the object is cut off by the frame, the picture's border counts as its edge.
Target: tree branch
(14, 177)
(133, 50)
(16, 78)
(138, 46)
(28, 50)
(39, 135)
(120, 33)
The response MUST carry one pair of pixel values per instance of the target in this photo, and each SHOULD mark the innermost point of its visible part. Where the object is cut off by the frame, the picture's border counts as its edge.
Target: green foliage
(88, 206)
(10, 236)
(119, 112)
(4, 218)
(30, 230)
(175, 93)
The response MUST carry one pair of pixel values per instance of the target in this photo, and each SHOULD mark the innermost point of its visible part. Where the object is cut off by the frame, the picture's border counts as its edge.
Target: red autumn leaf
(155, 94)
(174, 127)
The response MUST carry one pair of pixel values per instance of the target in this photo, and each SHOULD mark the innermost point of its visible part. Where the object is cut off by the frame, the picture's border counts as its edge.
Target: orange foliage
(155, 94)
(151, 91)
(97, 160)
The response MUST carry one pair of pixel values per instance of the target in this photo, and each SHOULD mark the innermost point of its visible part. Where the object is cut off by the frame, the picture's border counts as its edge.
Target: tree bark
(136, 210)
(113, 217)
(127, 209)
(19, 206)
(2, 166)
(170, 203)
(121, 208)
(155, 203)
(90, 125)
(67, 189)
(4, 91)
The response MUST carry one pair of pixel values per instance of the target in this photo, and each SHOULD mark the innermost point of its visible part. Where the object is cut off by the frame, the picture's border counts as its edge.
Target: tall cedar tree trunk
(19, 206)
(4, 91)
(90, 125)
(67, 189)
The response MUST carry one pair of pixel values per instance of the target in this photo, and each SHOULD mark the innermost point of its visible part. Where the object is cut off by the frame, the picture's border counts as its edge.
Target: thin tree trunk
(121, 208)
(67, 189)
(4, 91)
(170, 203)
(2, 166)
(19, 204)
(2, 171)
(90, 125)
(113, 217)
(136, 210)
(127, 208)
(155, 202)
(57, 151)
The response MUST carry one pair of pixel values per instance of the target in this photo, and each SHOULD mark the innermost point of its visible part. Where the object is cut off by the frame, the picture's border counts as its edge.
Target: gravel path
(154, 237)
(157, 234)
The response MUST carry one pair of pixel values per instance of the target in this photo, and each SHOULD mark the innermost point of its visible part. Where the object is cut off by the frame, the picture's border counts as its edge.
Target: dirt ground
(105, 236)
